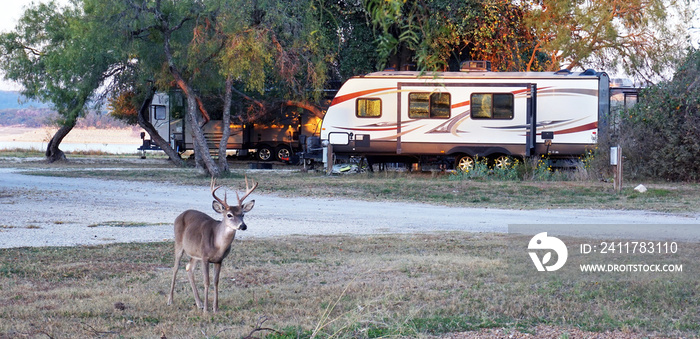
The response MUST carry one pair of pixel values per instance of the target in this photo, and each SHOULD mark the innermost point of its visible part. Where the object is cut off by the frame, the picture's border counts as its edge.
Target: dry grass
(340, 286)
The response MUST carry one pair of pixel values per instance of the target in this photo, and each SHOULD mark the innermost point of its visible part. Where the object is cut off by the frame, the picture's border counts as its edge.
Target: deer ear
(248, 206)
(218, 207)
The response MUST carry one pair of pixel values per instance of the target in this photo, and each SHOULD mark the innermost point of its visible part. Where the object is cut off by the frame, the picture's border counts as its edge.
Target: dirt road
(53, 211)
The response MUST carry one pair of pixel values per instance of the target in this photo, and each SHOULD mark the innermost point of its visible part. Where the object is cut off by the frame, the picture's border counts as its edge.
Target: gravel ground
(54, 211)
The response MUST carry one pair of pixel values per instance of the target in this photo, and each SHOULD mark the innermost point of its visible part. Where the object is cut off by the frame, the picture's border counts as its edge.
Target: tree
(175, 27)
(439, 34)
(634, 35)
(122, 106)
(268, 49)
(58, 55)
(267, 54)
(660, 133)
(350, 39)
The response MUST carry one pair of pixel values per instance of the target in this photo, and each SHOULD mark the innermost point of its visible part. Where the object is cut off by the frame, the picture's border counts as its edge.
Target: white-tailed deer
(208, 241)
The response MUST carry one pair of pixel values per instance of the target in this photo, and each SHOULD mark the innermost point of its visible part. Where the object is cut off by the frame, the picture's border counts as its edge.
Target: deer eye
(230, 215)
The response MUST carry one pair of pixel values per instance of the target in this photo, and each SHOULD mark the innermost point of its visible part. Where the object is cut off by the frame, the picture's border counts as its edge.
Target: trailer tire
(502, 162)
(283, 153)
(464, 162)
(264, 153)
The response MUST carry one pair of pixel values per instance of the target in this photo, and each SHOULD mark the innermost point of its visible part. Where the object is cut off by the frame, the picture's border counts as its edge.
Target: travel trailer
(453, 117)
(274, 141)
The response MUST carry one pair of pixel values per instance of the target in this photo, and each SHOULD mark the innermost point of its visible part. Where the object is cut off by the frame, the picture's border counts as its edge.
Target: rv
(266, 142)
(454, 117)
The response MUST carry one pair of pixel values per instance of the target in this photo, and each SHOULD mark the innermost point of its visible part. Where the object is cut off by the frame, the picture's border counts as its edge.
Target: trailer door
(160, 114)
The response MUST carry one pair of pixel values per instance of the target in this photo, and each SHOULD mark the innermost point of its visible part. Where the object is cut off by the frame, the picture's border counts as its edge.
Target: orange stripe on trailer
(461, 104)
(366, 129)
(349, 96)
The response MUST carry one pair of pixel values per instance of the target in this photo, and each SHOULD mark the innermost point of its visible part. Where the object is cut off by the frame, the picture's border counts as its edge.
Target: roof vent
(563, 71)
(475, 66)
(589, 71)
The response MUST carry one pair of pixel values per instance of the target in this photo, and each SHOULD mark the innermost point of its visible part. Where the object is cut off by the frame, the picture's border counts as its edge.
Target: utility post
(616, 161)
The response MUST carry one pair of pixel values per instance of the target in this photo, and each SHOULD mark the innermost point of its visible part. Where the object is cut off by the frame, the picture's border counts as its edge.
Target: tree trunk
(198, 162)
(53, 153)
(201, 148)
(155, 137)
(200, 143)
(226, 132)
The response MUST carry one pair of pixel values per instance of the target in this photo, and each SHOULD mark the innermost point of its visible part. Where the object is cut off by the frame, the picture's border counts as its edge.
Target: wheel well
(494, 156)
(287, 146)
(478, 151)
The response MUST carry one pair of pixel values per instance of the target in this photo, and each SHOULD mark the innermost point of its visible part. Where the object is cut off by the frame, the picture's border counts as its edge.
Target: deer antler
(213, 193)
(247, 191)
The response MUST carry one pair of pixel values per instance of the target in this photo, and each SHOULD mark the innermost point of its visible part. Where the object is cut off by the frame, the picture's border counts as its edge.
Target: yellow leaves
(246, 57)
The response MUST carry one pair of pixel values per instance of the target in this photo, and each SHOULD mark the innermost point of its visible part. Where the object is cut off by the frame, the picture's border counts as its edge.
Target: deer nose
(243, 227)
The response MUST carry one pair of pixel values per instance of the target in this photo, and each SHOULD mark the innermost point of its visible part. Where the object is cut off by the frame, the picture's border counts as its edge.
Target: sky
(12, 10)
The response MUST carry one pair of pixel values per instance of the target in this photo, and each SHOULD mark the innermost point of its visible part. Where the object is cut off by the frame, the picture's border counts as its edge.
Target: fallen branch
(259, 328)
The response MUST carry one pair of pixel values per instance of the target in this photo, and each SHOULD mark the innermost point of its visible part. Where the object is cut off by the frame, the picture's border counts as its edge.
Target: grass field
(345, 286)
(326, 287)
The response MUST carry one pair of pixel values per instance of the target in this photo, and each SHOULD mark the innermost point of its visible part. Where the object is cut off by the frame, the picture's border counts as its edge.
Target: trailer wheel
(264, 153)
(502, 162)
(283, 153)
(464, 162)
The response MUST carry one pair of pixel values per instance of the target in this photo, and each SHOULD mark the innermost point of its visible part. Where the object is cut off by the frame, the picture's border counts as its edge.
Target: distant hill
(10, 100)
(28, 117)
(37, 114)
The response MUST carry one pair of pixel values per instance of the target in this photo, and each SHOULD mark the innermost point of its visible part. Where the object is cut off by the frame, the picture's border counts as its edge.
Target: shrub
(660, 136)
(533, 169)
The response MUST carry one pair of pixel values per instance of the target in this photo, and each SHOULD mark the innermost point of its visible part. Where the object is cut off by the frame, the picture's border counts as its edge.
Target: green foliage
(59, 56)
(514, 169)
(352, 40)
(528, 35)
(480, 170)
(660, 134)
(272, 49)
(438, 34)
(539, 169)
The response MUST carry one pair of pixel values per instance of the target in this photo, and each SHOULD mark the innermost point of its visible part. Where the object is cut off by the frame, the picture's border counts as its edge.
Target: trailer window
(492, 105)
(440, 105)
(368, 108)
(159, 112)
(429, 105)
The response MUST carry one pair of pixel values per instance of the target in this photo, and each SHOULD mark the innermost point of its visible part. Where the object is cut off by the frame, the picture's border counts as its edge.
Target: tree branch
(202, 110)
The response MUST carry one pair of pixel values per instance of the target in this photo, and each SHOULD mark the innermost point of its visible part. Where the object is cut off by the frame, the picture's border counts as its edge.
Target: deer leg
(190, 276)
(217, 270)
(178, 256)
(205, 273)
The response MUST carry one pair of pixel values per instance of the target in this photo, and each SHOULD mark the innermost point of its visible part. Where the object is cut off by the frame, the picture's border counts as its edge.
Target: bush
(533, 169)
(660, 136)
